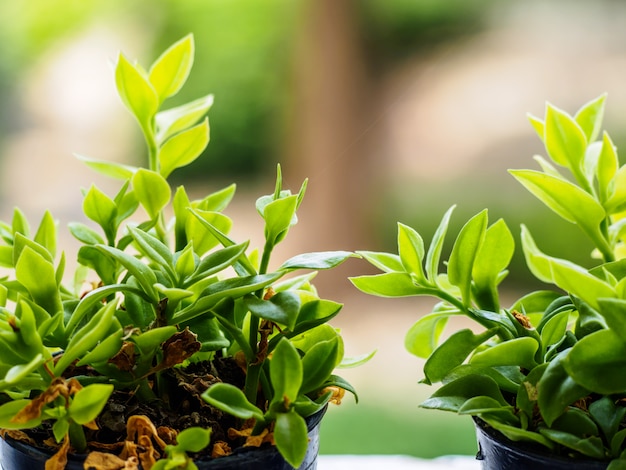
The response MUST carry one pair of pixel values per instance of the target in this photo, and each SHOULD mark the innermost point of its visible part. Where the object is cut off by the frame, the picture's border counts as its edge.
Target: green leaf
(282, 308)
(318, 364)
(514, 433)
(607, 415)
(487, 405)
(285, 372)
(617, 192)
(136, 92)
(101, 209)
(537, 124)
(389, 285)
(229, 288)
(112, 169)
(411, 251)
(386, 262)
(37, 275)
(590, 446)
(19, 223)
(179, 118)
(215, 262)
(193, 439)
(348, 362)
(106, 349)
(565, 140)
(517, 351)
(279, 215)
(566, 199)
(589, 117)
(10, 409)
(198, 232)
(85, 234)
(422, 337)
(565, 274)
(155, 250)
(87, 337)
(453, 352)
(464, 254)
(317, 260)
(554, 329)
(144, 275)
(89, 402)
(291, 436)
(453, 395)
(232, 400)
(46, 234)
(183, 148)
(557, 390)
(436, 245)
(494, 256)
(614, 313)
(596, 362)
(170, 71)
(607, 166)
(152, 190)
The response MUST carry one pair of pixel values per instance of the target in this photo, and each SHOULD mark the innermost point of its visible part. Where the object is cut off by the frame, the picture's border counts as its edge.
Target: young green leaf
(436, 245)
(589, 117)
(152, 190)
(174, 120)
(464, 254)
(183, 148)
(411, 251)
(136, 92)
(46, 234)
(285, 372)
(89, 402)
(170, 71)
(517, 351)
(565, 140)
(37, 275)
(319, 260)
(230, 399)
(113, 169)
(389, 285)
(318, 364)
(281, 308)
(291, 436)
(453, 352)
(596, 360)
(607, 166)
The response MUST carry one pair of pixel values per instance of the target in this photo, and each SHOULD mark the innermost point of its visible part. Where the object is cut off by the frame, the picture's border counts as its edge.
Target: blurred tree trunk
(329, 132)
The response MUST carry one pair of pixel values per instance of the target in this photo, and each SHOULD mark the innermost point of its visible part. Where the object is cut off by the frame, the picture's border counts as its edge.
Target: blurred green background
(395, 110)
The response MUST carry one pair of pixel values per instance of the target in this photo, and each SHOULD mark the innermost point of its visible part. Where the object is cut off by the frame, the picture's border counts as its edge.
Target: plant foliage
(549, 368)
(165, 293)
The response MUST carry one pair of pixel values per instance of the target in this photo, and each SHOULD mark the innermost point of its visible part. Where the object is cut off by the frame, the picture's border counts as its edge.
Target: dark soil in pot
(17, 455)
(496, 452)
(181, 407)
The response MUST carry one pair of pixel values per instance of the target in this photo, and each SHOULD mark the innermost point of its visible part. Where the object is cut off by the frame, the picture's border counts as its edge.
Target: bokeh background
(394, 110)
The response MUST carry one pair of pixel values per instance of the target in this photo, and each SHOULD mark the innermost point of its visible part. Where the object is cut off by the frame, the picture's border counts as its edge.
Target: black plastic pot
(16, 455)
(496, 452)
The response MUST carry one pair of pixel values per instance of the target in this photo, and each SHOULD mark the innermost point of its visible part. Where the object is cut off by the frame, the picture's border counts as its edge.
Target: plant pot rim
(535, 453)
(240, 458)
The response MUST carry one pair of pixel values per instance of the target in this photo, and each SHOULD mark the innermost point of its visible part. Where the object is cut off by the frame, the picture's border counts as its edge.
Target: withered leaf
(124, 360)
(179, 347)
(59, 460)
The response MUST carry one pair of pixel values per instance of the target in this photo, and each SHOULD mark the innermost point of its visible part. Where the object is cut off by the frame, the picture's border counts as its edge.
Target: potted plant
(546, 372)
(186, 344)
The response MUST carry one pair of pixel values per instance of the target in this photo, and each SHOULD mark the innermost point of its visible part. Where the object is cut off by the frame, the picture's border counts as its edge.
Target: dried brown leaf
(59, 460)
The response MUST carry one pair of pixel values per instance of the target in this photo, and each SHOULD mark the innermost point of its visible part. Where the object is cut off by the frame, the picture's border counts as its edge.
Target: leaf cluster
(164, 293)
(549, 368)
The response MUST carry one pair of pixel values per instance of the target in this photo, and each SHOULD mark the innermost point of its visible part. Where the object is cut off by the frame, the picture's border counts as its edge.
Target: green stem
(76, 435)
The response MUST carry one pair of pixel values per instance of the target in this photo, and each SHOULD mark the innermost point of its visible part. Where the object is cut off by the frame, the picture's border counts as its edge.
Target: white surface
(395, 462)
